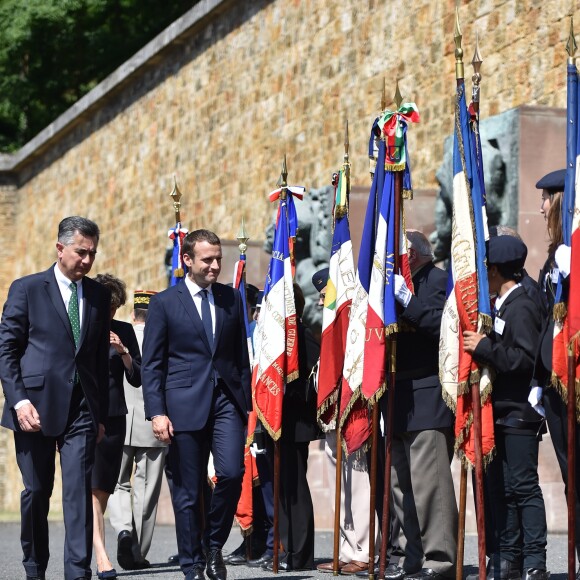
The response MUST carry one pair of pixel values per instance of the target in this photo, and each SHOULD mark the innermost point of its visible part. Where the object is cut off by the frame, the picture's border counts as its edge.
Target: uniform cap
(553, 181)
(320, 279)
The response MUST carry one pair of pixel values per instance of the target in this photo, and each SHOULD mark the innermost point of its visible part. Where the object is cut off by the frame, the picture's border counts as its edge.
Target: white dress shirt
(66, 293)
(195, 292)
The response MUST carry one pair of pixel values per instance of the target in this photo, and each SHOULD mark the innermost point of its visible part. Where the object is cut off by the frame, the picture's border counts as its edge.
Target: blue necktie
(206, 318)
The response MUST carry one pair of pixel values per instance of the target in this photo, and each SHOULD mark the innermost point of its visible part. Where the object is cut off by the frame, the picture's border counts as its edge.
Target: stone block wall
(221, 96)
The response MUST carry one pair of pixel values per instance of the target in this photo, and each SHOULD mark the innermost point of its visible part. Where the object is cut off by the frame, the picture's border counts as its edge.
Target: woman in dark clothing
(552, 186)
(124, 361)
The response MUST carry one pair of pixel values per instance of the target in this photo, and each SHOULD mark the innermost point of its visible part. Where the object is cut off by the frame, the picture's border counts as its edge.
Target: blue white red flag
(335, 314)
(178, 267)
(239, 282)
(354, 415)
(457, 369)
(567, 308)
(276, 338)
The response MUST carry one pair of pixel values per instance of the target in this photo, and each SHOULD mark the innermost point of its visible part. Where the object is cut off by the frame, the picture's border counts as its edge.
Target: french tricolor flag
(276, 335)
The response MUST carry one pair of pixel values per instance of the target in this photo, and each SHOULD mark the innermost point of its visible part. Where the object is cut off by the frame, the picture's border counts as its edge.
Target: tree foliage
(52, 52)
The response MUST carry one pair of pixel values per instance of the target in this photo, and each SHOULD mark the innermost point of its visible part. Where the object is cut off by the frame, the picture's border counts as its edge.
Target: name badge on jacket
(498, 325)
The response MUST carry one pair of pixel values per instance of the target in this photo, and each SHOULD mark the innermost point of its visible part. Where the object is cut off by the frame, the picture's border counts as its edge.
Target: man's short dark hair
(140, 314)
(70, 225)
(192, 238)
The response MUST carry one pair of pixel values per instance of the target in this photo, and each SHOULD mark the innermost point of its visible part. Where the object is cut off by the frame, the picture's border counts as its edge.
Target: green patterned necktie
(73, 313)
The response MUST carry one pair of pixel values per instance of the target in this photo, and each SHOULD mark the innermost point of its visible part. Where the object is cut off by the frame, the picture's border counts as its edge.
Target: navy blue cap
(320, 279)
(259, 298)
(507, 250)
(553, 182)
(252, 295)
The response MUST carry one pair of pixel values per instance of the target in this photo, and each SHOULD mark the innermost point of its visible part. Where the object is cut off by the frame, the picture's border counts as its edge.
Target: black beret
(320, 279)
(553, 182)
(141, 298)
(506, 250)
(259, 298)
(252, 295)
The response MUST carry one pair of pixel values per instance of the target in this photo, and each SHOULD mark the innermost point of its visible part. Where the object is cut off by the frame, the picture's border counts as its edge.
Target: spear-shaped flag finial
(571, 45)
(476, 78)
(243, 238)
(283, 178)
(459, 70)
(176, 196)
(398, 97)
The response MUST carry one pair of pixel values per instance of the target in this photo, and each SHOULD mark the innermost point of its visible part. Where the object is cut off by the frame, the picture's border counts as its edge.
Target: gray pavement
(164, 545)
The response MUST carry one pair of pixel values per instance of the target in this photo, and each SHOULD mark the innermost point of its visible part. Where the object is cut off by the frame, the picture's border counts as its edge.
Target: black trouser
(516, 499)
(557, 418)
(296, 522)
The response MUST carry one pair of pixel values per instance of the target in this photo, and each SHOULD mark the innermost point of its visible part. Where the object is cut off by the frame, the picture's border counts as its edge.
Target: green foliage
(52, 52)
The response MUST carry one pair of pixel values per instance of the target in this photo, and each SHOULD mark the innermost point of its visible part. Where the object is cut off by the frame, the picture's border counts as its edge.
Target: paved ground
(164, 545)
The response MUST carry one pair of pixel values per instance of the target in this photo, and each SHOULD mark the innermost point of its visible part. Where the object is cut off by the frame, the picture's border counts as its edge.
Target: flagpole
(338, 472)
(243, 238)
(475, 393)
(572, 131)
(276, 555)
(391, 355)
(374, 433)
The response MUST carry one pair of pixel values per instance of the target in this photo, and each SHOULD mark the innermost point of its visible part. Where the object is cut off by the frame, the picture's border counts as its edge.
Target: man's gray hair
(70, 225)
(419, 242)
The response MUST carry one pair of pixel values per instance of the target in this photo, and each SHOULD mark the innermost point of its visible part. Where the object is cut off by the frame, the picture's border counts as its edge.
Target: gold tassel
(560, 311)
(407, 194)
(394, 166)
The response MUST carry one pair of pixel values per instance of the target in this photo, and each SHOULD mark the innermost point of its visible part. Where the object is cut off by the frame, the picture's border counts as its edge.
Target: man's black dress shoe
(536, 574)
(35, 577)
(500, 569)
(234, 559)
(365, 573)
(216, 568)
(125, 550)
(394, 572)
(283, 566)
(196, 573)
(174, 559)
(425, 574)
(263, 560)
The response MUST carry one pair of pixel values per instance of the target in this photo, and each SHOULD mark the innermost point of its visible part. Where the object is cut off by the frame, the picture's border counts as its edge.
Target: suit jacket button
(212, 379)
(70, 380)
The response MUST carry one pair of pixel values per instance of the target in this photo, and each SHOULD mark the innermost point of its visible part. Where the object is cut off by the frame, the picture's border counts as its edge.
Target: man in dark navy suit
(196, 388)
(54, 367)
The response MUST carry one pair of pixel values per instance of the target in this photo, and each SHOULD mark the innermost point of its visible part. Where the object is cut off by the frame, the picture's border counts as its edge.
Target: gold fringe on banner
(395, 166)
(560, 311)
(356, 395)
(407, 194)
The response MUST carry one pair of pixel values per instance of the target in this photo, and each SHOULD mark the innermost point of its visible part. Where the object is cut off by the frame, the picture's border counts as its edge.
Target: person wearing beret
(355, 489)
(558, 261)
(512, 477)
(133, 506)
(422, 445)
(124, 363)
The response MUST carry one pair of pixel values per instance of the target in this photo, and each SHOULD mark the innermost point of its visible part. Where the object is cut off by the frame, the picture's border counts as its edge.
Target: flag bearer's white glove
(402, 293)
(563, 258)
